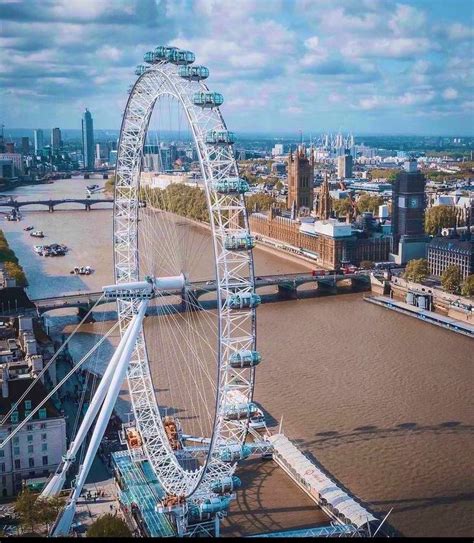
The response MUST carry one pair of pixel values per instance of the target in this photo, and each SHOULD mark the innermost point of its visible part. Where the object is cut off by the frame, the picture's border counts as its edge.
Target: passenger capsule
(233, 454)
(150, 57)
(240, 411)
(214, 505)
(226, 485)
(231, 185)
(220, 137)
(162, 52)
(244, 300)
(239, 242)
(180, 57)
(193, 73)
(140, 69)
(245, 359)
(208, 99)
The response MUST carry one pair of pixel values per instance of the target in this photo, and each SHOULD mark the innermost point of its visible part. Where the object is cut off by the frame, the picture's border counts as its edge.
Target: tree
(48, 509)
(451, 278)
(467, 288)
(341, 207)
(417, 270)
(109, 526)
(15, 271)
(263, 202)
(33, 511)
(368, 202)
(439, 217)
(25, 508)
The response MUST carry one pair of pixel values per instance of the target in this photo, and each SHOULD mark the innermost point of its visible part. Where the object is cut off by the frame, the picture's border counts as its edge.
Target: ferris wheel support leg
(57, 481)
(64, 522)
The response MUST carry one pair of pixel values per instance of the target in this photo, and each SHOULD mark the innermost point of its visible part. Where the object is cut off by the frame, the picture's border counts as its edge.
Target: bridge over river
(51, 204)
(287, 289)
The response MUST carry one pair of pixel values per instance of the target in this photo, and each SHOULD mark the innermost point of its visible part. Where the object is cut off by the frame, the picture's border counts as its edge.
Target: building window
(43, 426)
(27, 414)
(27, 404)
(4, 480)
(45, 460)
(2, 467)
(30, 449)
(2, 453)
(44, 446)
(31, 462)
(14, 417)
(30, 438)
(16, 451)
(42, 413)
(44, 437)
(17, 464)
(16, 440)
(29, 427)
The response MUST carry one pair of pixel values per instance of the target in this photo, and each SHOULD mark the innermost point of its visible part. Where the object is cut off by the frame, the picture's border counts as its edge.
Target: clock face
(413, 201)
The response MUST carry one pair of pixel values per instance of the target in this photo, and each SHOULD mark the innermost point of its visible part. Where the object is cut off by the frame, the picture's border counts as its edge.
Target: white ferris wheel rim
(236, 331)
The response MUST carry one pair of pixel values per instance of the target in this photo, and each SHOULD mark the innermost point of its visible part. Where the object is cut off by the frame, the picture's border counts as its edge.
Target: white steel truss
(234, 276)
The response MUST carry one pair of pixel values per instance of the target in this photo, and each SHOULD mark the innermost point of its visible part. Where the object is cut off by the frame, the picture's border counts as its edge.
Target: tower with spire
(300, 179)
(324, 201)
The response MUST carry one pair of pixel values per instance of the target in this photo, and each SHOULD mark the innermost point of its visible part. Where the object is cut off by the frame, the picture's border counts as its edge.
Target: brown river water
(383, 401)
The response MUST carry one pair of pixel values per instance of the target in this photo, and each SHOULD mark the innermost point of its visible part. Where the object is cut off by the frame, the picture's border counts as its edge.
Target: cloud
(275, 61)
(450, 93)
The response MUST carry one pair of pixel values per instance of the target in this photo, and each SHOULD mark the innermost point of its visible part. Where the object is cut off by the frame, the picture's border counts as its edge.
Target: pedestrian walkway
(139, 487)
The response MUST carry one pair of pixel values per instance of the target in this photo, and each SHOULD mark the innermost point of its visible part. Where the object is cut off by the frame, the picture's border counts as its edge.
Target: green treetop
(417, 270)
(451, 278)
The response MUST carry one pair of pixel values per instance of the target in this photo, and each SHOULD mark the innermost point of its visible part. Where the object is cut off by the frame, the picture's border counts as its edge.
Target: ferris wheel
(148, 247)
(190, 364)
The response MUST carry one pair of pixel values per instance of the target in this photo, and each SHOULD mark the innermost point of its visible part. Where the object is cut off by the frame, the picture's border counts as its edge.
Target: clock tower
(408, 213)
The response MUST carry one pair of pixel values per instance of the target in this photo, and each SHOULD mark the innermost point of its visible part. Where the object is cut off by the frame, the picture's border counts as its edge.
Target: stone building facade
(329, 251)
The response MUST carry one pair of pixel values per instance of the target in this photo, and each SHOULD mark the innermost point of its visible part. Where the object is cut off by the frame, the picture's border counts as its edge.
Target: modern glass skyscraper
(39, 140)
(88, 140)
(56, 142)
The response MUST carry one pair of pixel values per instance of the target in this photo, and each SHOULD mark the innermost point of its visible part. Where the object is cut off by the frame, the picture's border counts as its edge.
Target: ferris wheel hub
(139, 290)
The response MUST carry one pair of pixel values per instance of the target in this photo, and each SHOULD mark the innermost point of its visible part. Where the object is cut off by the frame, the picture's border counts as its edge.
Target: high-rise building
(344, 166)
(56, 142)
(39, 141)
(278, 149)
(113, 157)
(25, 145)
(88, 140)
(408, 211)
(300, 179)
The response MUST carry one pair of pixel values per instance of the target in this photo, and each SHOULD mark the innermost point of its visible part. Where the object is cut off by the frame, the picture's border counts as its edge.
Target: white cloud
(450, 93)
(407, 20)
(387, 47)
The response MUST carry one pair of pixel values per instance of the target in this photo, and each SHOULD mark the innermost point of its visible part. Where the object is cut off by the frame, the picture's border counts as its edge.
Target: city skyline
(366, 67)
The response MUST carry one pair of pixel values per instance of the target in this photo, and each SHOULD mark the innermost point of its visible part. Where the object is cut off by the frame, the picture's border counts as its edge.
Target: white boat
(37, 234)
(38, 249)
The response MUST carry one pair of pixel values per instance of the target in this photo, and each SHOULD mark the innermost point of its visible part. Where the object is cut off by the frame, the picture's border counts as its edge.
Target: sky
(361, 66)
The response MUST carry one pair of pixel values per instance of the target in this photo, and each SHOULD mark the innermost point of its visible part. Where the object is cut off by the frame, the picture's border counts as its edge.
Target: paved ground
(91, 507)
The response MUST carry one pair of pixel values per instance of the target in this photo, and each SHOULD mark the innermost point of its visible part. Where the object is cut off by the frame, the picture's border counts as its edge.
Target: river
(383, 401)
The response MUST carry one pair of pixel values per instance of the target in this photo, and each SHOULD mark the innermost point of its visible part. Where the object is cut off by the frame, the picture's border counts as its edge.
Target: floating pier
(332, 499)
(427, 316)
